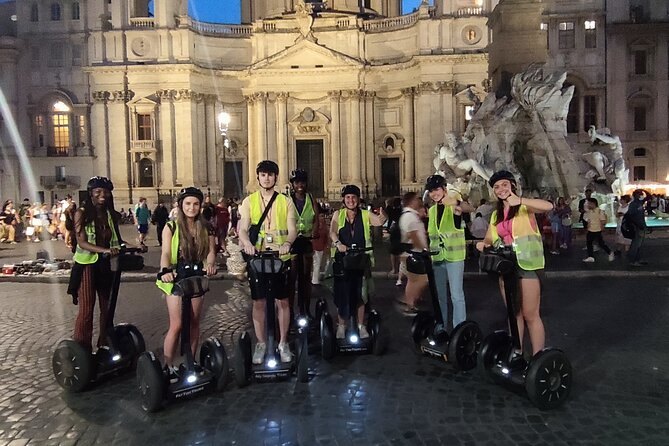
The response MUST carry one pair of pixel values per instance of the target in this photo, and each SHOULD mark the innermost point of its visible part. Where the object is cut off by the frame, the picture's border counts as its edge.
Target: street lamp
(223, 124)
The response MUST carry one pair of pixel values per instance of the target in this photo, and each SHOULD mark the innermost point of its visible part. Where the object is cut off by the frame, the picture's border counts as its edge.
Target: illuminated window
(61, 133)
(590, 34)
(34, 13)
(55, 12)
(144, 130)
(566, 35)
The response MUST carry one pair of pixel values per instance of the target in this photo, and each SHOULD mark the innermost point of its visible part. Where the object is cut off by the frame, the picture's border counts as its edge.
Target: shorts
(143, 229)
(536, 274)
(276, 283)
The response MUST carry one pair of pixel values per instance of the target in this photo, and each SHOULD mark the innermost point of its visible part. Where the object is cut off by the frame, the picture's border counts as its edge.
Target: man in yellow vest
(351, 226)
(306, 214)
(446, 232)
(277, 232)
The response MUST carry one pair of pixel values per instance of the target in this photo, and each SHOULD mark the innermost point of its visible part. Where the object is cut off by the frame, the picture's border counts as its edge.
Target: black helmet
(190, 192)
(267, 166)
(501, 175)
(298, 175)
(102, 182)
(434, 182)
(350, 189)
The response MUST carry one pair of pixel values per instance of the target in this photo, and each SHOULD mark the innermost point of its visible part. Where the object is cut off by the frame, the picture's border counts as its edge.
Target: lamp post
(223, 125)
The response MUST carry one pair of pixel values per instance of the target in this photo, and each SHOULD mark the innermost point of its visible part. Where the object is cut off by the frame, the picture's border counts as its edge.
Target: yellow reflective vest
(527, 243)
(84, 257)
(166, 287)
(445, 237)
(280, 213)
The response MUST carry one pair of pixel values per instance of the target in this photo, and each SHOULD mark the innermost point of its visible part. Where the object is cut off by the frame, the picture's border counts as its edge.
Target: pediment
(306, 54)
(142, 101)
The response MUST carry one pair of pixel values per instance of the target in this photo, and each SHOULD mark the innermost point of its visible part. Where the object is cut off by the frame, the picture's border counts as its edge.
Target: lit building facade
(351, 91)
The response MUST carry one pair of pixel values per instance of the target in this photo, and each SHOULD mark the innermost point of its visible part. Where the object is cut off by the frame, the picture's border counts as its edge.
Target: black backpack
(627, 227)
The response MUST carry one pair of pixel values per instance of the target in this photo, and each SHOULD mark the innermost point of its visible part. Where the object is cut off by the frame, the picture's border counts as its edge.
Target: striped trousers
(83, 327)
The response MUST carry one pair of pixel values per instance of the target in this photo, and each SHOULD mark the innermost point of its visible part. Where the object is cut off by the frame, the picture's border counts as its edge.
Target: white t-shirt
(410, 221)
(479, 227)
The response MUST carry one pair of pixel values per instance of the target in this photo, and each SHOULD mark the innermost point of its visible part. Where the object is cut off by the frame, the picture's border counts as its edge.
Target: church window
(145, 172)
(639, 118)
(589, 111)
(34, 13)
(640, 152)
(55, 12)
(39, 130)
(61, 133)
(56, 54)
(144, 127)
(640, 62)
(566, 35)
(590, 34)
(639, 173)
(76, 13)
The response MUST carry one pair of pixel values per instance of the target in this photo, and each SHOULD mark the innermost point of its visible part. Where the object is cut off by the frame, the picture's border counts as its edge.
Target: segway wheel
(321, 307)
(374, 328)
(72, 366)
(464, 345)
(150, 381)
(494, 348)
(549, 379)
(130, 340)
(214, 359)
(302, 361)
(422, 326)
(242, 363)
(327, 337)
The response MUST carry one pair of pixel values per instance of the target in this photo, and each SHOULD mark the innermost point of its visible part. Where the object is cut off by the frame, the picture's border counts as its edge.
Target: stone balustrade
(470, 11)
(142, 22)
(220, 29)
(390, 24)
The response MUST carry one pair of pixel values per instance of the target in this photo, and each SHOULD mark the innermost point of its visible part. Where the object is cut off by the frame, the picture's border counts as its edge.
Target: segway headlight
(190, 379)
(505, 371)
(431, 342)
(353, 338)
(271, 363)
(302, 322)
(116, 357)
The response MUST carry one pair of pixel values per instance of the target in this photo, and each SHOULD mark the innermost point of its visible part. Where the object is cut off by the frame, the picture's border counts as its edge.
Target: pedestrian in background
(142, 218)
(564, 212)
(596, 220)
(222, 220)
(635, 214)
(414, 238)
(159, 217)
(8, 222)
(320, 245)
(622, 243)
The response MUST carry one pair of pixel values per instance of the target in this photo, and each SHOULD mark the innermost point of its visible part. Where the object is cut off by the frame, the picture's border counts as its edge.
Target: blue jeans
(451, 274)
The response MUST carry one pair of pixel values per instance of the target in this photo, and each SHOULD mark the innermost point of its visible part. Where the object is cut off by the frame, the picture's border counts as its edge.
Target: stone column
(185, 114)
(335, 144)
(407, 125)
(119, 142)
(370, 153)
(354, 159)
(200, 173)
(167, 154)
(282, 136)
(100, 131)
(252, 146)
(261, 124)
(211, 159)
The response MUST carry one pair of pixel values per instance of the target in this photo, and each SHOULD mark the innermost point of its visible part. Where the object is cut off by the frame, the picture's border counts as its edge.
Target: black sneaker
(410, 311)
(172, 374)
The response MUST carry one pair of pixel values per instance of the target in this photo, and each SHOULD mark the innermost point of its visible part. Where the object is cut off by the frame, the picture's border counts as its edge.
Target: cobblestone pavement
(613, 330)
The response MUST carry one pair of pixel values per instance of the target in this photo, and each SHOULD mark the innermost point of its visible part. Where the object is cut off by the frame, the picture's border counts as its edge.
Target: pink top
(504, 228)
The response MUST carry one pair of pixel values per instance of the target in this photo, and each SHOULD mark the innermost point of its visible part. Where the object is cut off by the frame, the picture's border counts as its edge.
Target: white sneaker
(341, 331)
(399, 282)
(259, 353)
(285, 353)
(364, 334)
(612, 256)
(589, 260)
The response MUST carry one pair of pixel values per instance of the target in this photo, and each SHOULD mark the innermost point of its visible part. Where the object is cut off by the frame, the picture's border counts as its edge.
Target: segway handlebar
(355, 248)
(191, 286)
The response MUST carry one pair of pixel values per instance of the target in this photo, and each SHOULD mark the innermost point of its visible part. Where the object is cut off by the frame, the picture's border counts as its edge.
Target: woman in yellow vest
(192, 241)
(96, 232)
(513, 224)
(446, 232)
(306, 215)
(277, 232)
(351, 226)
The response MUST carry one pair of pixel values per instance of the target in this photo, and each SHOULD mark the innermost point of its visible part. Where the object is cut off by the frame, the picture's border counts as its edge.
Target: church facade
(349, 90)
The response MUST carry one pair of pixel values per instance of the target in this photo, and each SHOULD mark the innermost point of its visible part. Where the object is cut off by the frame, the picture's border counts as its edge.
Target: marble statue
(525, 132)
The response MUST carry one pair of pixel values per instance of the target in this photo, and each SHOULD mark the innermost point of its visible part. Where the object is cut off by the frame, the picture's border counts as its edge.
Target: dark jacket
(635, 214)
(160, 215)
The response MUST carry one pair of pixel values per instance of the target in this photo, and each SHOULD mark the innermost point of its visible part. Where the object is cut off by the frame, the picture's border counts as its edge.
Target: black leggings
(593, 237)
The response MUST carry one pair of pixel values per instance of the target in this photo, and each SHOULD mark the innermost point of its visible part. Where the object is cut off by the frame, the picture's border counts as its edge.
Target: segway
(300, 248)
(266, 271)
(547, 378)
(429, 330)
(74, 367)
(354, 260)
(156, 384)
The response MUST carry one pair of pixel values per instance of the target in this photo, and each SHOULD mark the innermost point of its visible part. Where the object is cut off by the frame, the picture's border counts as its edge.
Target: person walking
(222, 219)
(320, 245)
(414, 238)
(596, 220)
(635, 214)
(8, 222)
(446, 231)
(160, 217)
(142, 218)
